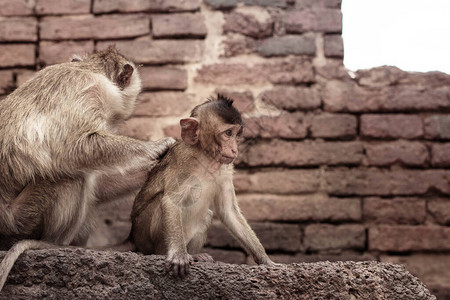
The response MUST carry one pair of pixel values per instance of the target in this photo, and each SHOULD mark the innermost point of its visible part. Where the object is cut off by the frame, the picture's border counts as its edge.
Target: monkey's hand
(160, 147)
(179, 264)
(267, 261)
(203, 257)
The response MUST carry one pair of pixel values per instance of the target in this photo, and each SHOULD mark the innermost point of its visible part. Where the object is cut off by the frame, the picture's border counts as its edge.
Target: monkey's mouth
(227, 159)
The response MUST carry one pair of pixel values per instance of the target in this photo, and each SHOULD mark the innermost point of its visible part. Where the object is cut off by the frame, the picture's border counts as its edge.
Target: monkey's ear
(189, 130)
(125, 76)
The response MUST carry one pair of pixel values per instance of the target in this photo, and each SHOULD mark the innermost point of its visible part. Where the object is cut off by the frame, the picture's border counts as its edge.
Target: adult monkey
(59, 147)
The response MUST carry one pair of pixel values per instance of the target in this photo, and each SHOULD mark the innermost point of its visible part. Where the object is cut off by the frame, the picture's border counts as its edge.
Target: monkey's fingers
(203, 257)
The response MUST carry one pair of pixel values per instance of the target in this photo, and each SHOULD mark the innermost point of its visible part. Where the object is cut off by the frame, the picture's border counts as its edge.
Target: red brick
(384, 182)
(140, 128)
(440, 155)
(94, 27)
(404, 152)
(243, 101)
(104, 6)
(439, 208)
(247, 25)
(14, 55)
(286, 125)
(320, 19)
(326, 237)
(146, 50)
(347, 255)
(278, 182)
(18, 29)
(394, 211)
(288, 45)
(157, 104)
(226, 256)
(334, 45)
(177, 25)
(284, 153)
(286, 71)
(57, 7)
(405, 238)
(163, 78)
(284, 237)
(334, 126)
(58, 52)
(432, 269)
(24, 75)
(391, 126)
(437, 127)
(6, 81)
(238, 44)
(17, 8)
(292, 98)
(315, 208)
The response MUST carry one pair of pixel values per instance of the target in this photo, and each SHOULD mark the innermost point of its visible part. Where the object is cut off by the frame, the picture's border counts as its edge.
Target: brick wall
(334, 167)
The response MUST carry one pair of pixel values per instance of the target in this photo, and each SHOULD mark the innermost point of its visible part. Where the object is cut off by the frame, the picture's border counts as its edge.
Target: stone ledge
(88, 274)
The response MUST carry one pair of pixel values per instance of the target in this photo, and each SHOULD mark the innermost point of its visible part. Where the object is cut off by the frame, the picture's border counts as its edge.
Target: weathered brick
(288, 45)
(315, 208)
(405, 238)
(226, 256)
(275, 3)
(326, 237)
(320, 20)
(247, 24)
(384, 182)
(292, 98)
(16, 7)
(278, 182)
(156, 104)
(333, 69)
(163, 78)
(440, 155)
(140, 128)
(319, 3)
(238, 44)
(6, 81)
(94, 27)
(57, 7)
(222, 4)
(404, 152)
(286, 71)
(58, 52)
(346, 255)
(394, 211)
(284, 153)
(104, 6)
(437, 127)
(272, 236)
(18, 29)
(146, 50)
(14, 55)
(334, 45)
(243, 101)
(177, 25)
(23, 75)
(334, 126)
(431, 268)
(348, 96)
(439, 208)
(286, 125)
(391, 126)
(174, 5)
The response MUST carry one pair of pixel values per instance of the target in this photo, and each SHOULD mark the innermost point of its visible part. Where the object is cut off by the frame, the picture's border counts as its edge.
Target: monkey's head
(215, 127)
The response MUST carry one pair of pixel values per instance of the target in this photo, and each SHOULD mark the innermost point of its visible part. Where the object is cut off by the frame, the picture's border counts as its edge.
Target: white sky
(413, 35)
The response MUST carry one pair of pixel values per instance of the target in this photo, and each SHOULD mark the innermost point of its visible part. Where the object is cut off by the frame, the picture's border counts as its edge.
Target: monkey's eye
(229, 133)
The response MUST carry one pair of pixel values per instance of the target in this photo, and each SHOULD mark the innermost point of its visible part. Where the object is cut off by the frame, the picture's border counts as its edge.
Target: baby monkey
(171, 213)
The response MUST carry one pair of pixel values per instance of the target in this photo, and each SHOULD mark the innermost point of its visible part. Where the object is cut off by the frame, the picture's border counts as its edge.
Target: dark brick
(320, 20)
(439, 208)
(247, 25)
(394, 211)
(326, 237)
(179, 25)
(333, 45)
(405, 238)
(163, 78)
(157, 104)
(18, 29)
(334, 126)
(288, 45)
(146, 50)
(292, 98)
(104, 6)
(57, 7)
(221, 4)
(437, 127)
(391, 126)
(58, 52)
(404, 152)
(14, 55)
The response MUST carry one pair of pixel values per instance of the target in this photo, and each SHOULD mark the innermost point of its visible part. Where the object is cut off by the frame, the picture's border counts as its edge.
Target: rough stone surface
(325, 237)
(6, 81)
(287, 125)
(56, 7)
(321, 20)
(292, 98)
(140, 128)
(439, 208)
(394, 211)
(288, 45)
(247, 25)
(403, 152)
(69, 274)
(437, 127)
(333, 45)
(243, 101)
(59, 52)
(179, 25)
(16, 7)
(237, 44)
(105, 6)
(163, 78)
(146, 50)
(18, 29)
(334, 126)
(14, 55)
(162, 104)
(391, 126)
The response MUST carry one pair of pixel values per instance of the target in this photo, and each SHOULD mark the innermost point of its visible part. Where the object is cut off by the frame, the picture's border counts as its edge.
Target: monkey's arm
(229, 213)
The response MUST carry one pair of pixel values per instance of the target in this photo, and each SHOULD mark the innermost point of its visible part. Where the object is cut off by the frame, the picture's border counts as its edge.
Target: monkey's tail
(14, 253)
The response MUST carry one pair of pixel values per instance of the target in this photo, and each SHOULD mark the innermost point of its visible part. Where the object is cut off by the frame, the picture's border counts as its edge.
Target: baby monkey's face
(228, 137)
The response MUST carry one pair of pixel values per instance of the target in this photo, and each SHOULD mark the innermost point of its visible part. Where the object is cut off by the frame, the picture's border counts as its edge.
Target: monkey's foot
(202, 257)
(178, 264)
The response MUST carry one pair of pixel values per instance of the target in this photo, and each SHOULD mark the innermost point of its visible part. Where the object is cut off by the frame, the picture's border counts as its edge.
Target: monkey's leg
(195, 245)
